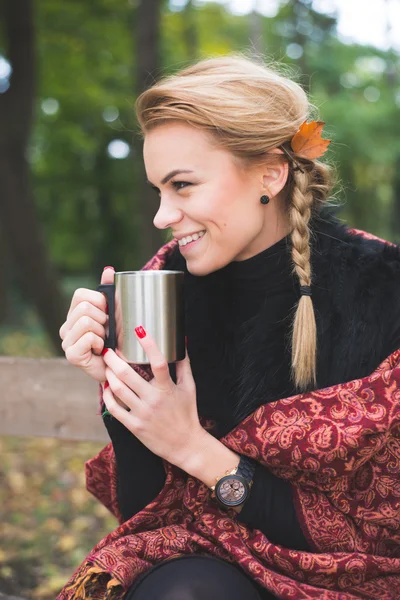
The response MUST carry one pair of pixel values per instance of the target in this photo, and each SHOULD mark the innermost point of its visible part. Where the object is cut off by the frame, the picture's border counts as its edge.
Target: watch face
(232, 490)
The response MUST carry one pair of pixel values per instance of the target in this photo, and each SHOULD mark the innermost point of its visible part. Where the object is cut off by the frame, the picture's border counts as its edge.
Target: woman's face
(215, 195)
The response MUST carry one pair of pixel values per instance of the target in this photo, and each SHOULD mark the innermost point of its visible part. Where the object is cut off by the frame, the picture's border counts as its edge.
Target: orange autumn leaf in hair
(307, 142)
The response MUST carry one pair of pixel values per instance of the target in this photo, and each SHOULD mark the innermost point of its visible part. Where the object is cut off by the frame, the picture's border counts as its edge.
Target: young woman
(266, 466)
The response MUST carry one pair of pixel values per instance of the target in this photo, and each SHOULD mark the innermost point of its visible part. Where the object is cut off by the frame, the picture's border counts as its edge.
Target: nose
(167, 215)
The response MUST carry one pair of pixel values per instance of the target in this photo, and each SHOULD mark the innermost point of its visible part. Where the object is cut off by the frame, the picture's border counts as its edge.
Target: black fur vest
(356, 298)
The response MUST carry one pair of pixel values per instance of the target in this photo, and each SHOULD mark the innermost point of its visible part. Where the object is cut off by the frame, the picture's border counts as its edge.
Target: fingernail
(109, 267)
(106, 309)
(140, 332)
(106, 385)
(104, 351)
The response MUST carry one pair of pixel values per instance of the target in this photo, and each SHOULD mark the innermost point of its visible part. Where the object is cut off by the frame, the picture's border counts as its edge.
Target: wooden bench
(48, 397)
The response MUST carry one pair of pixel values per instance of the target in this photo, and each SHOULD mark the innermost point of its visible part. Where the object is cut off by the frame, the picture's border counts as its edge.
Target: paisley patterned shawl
(340, 449)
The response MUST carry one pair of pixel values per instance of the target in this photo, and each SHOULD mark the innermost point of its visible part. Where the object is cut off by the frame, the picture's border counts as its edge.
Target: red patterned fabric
(340, 449)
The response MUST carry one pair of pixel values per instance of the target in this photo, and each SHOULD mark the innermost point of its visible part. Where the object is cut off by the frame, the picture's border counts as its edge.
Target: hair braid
(304, 329)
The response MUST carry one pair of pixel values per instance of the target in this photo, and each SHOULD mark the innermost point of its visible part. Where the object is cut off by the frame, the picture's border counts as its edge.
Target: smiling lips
(191, 238)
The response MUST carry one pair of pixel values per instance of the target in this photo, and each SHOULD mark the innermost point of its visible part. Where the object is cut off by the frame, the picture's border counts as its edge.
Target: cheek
(223, 202)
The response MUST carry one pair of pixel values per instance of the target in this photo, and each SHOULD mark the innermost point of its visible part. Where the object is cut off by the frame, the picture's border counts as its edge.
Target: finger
(81, 353)
(121, 414)
(84, 309)
(184, 373)
(84, 325)
(124, 394)
(107, 375)
(84, 295)
(122, 404)
(158, 362)
(125, 373)
(92, 296)
(108, 275)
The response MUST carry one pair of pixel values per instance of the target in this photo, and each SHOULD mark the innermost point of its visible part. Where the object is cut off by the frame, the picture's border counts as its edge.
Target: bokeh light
(118, 149)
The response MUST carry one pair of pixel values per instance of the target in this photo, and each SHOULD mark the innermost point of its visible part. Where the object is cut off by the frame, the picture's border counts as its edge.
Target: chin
(198, 270)
(201, 268)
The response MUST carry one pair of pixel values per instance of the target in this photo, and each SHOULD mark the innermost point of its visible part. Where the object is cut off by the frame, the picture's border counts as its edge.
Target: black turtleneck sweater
(264, 283)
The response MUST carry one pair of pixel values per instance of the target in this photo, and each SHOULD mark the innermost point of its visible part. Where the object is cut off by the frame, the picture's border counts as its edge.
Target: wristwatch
(233, 488)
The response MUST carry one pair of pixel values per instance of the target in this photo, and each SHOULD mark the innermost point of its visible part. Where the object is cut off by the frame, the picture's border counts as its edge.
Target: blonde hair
(249, 108)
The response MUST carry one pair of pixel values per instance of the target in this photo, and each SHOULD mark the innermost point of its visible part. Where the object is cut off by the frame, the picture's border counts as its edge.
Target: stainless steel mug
(153, 299)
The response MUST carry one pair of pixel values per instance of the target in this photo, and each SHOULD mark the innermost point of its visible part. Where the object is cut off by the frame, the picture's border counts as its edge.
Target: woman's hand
(83, 332)
(163, 415)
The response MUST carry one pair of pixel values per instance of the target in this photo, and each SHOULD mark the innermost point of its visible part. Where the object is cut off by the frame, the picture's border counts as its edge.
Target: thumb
(108, 275)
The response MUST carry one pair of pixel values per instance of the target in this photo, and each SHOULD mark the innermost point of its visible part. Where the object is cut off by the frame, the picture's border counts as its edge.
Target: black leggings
(196, 577)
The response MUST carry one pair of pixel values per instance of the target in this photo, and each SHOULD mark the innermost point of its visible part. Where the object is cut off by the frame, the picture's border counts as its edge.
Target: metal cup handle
(109, 290)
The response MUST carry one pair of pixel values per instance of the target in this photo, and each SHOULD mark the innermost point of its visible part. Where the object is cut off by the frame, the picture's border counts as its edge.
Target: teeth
(191, 238)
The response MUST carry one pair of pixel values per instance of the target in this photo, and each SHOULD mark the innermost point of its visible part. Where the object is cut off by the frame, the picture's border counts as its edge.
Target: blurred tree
(396, 202)
(20, 227)
(4, 270)
(147, 50)
(302, 26)
(356, 91)
(189, 17)
(256, 30)
(81, 152)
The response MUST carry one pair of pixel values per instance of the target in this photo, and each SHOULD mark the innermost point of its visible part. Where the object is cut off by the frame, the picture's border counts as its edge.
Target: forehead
(176, 136)
(178, 145)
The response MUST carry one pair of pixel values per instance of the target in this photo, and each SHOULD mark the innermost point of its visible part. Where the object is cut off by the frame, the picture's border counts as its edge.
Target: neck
(276, 226)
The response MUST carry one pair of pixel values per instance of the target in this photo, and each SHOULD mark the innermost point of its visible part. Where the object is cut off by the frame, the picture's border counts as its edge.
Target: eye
(177, 185)
(180, 185)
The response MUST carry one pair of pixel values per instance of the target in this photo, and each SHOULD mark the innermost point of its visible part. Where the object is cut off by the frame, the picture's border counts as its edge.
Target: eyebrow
(170, 175)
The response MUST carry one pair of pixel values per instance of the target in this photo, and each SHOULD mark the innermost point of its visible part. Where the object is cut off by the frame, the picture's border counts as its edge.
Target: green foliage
(84, 197)
(86, 200)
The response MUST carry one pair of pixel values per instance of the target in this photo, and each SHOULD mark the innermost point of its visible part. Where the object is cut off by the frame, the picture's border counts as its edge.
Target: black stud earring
(264, 199)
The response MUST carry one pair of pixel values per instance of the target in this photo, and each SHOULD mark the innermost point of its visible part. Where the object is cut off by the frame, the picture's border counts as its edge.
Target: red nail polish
(104, 351)
(140, 332)
(106, 309)
(109, 267)
(106, 385)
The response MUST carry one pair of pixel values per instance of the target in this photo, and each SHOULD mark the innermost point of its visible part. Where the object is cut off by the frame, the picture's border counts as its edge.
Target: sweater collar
(268, 270)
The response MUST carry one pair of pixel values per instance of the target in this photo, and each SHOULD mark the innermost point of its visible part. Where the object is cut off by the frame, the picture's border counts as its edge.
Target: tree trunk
(396, 203)
(4, 271)
(256, 31)
(108, 252)
(147, 37)
(17, 209)
(190, 36)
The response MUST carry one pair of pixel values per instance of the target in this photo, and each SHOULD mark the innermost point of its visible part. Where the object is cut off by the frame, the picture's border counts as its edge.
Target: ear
(274, 176)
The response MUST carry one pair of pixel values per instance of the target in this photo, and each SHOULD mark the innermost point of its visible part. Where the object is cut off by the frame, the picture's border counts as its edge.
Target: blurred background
(73, 198)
